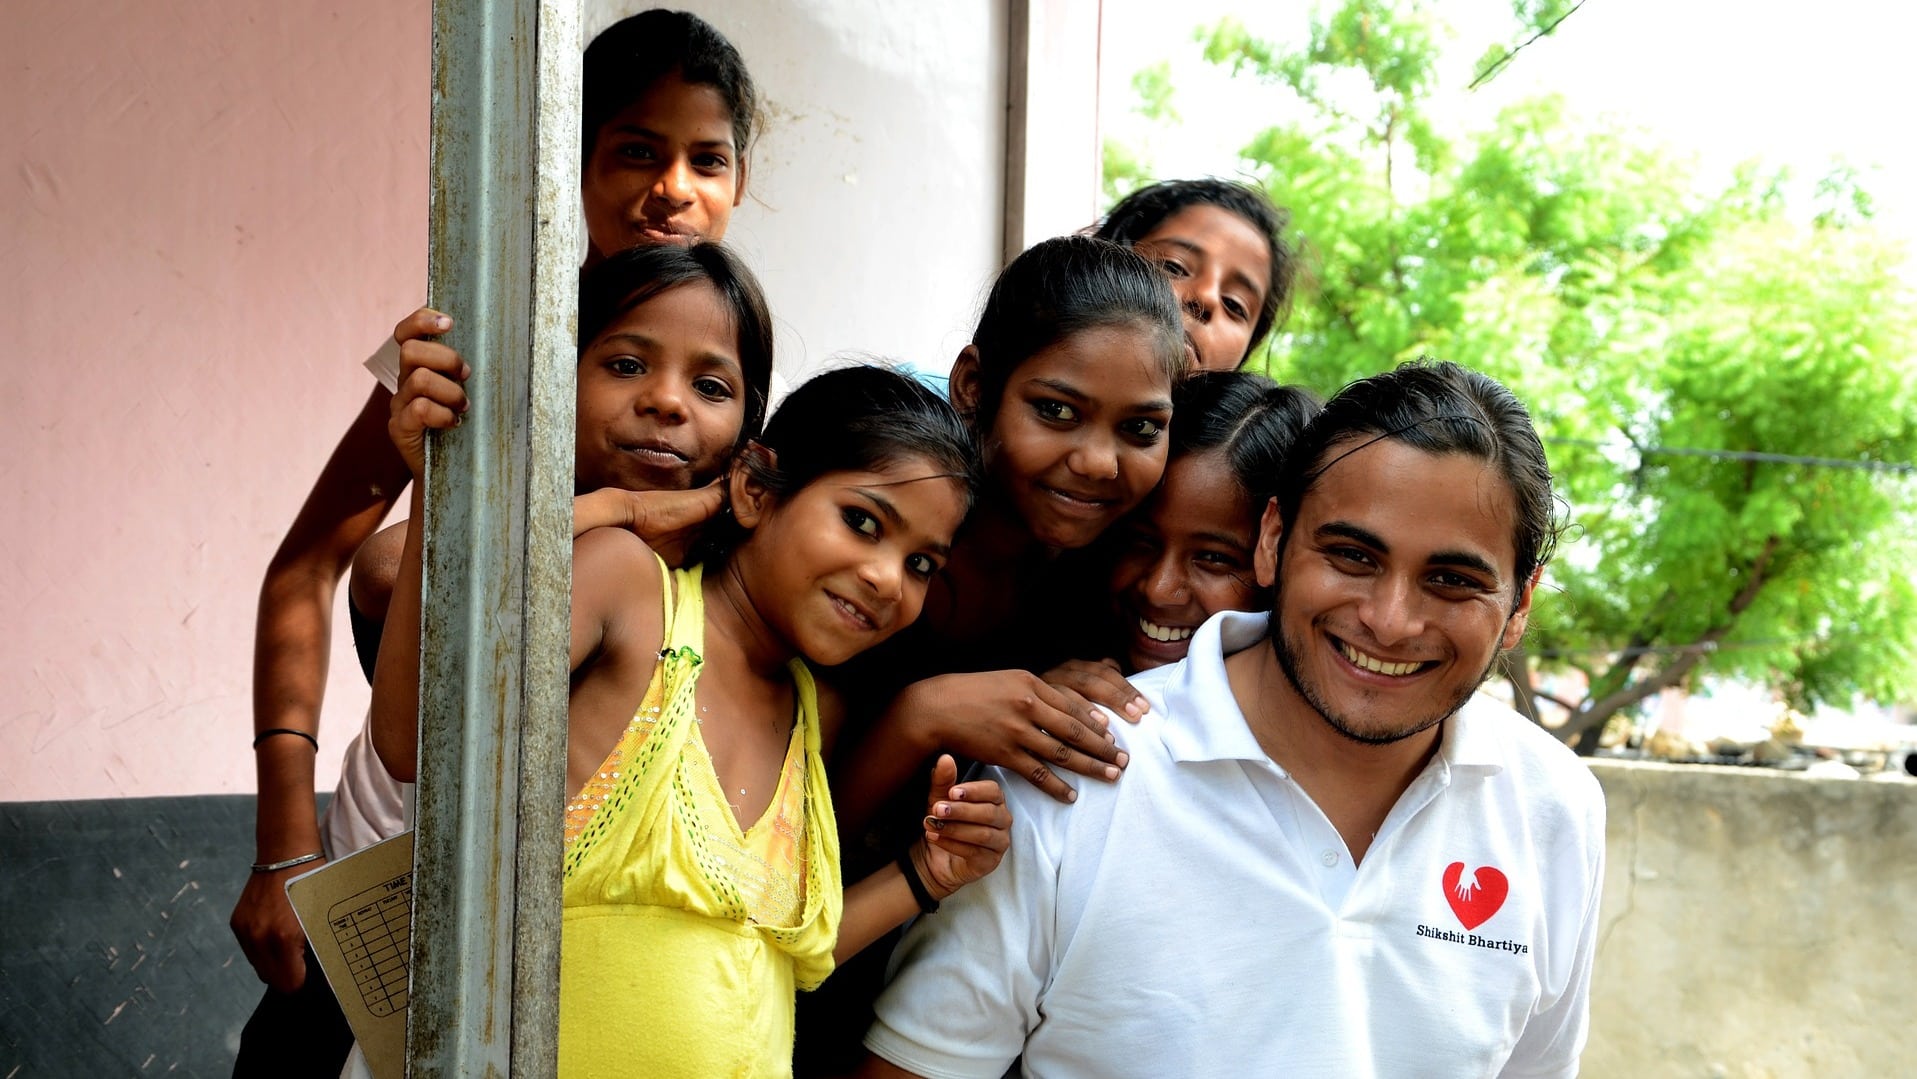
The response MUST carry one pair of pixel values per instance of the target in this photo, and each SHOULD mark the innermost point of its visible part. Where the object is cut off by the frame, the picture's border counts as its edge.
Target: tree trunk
(1516, 665)
(1603, 708)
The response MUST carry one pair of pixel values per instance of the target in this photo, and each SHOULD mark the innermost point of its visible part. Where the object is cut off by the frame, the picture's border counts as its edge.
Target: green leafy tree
(1728, 389)
(1124, 169)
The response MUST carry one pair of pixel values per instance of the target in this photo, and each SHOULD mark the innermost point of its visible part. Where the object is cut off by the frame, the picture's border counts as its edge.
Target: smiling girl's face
(1183, 557)
(661, 394)
(844, 562)
(665, 170)
(1220, 270)
(1079, 436)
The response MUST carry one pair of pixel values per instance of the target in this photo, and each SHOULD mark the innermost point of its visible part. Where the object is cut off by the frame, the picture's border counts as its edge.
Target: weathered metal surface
(502, 262)
(542, 787)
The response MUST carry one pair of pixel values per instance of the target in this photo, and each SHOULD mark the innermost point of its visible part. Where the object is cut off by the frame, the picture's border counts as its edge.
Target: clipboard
(358, 916)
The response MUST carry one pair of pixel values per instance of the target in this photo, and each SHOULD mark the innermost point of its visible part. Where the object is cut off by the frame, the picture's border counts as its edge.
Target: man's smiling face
(1396, 587)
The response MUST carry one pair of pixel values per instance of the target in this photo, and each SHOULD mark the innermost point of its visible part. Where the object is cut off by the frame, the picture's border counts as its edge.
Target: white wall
(875, 197)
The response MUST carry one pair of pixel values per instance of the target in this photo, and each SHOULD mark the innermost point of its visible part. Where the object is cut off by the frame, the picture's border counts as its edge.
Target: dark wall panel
(115, 957)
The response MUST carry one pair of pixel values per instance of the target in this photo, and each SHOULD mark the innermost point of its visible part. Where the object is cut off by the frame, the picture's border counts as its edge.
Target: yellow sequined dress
(685, 938)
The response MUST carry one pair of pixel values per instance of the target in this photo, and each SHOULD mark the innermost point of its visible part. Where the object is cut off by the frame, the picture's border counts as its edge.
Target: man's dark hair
(1440, 408)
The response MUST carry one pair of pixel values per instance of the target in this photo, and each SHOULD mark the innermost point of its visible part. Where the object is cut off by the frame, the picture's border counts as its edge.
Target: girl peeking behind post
(702, 865)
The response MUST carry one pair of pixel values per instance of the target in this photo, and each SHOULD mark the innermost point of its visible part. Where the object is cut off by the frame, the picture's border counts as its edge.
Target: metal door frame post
(498, 542)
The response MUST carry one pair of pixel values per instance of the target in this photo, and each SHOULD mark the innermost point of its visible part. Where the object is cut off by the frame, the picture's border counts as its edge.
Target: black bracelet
(927, 904)
(264, 735)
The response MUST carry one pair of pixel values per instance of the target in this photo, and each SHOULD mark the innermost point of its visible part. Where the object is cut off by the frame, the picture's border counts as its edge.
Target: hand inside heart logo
(1474, 898)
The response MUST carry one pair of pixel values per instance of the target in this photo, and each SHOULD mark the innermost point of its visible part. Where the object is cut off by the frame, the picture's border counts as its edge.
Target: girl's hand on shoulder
(1018, 721)
(1102, 683)
(967, 830)
(430, 395)
(669, 521)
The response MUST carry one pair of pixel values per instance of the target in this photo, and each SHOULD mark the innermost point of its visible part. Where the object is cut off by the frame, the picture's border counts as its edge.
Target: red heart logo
(1476, 898)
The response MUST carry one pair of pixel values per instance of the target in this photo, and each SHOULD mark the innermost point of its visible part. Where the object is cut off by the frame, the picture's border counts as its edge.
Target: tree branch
(1568, 705)
(1638, 647)
(1693, 654)
(1517, 671)
(1505, 60)
(1628, 658)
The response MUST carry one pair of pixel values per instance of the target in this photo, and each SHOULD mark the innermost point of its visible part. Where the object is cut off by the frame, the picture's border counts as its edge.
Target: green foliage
(1636, 314)
(1842, 200)
(1122, 171)
(1154, 89)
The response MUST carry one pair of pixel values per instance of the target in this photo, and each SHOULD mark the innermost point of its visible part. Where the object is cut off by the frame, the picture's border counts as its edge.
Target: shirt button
(1329, 857)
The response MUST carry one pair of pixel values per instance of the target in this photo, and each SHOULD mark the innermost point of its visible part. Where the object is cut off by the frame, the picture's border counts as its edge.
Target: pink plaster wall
(212, 208)
(215, 208)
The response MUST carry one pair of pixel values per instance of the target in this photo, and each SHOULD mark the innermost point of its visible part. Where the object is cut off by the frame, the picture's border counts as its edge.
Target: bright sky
(1789, 83)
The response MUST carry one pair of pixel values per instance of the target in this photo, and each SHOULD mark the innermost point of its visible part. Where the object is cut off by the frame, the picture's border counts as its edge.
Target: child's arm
(615, 602)
(430, 397)
(966, 831)
(668, 521)
(1013, 719)
(361, 481)
(616, 581)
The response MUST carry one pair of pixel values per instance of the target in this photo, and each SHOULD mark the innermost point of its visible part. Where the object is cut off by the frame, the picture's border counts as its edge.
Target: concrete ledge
(1755, 923)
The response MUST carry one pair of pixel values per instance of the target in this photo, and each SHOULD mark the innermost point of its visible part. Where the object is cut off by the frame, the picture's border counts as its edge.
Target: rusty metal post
(498, 551)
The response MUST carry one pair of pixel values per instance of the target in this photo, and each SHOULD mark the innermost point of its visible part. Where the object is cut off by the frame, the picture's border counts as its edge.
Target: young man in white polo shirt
(1327, 856)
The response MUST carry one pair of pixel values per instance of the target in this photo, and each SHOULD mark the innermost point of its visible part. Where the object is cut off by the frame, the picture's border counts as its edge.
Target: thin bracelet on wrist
(927, 904)
(274, 867)
(265, 734)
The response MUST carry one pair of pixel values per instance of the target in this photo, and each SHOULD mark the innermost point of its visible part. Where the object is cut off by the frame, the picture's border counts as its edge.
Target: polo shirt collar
(1471, 741)
(1202, 718)
(1204, 722)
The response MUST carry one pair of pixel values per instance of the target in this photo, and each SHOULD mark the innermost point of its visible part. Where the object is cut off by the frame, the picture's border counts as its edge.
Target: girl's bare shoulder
(618, 587)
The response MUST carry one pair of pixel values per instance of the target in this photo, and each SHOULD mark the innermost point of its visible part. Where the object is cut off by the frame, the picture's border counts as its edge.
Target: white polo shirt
(1201, 916)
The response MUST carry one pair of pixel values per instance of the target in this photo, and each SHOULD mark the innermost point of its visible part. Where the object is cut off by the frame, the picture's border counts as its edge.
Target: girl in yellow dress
(702, 870)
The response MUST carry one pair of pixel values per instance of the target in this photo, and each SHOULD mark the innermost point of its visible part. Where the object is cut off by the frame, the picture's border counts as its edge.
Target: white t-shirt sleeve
(966, 981)
(1554, 1038)
(368, 804)
(384, 364)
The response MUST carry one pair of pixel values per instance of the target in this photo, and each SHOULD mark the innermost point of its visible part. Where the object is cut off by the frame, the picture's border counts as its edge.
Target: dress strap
(659, 728)
(685, 604)
(810, 942)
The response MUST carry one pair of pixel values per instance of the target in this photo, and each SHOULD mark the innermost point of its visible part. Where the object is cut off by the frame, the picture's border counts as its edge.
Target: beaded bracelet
(927, 904)
(274, 867)
(264, 735)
